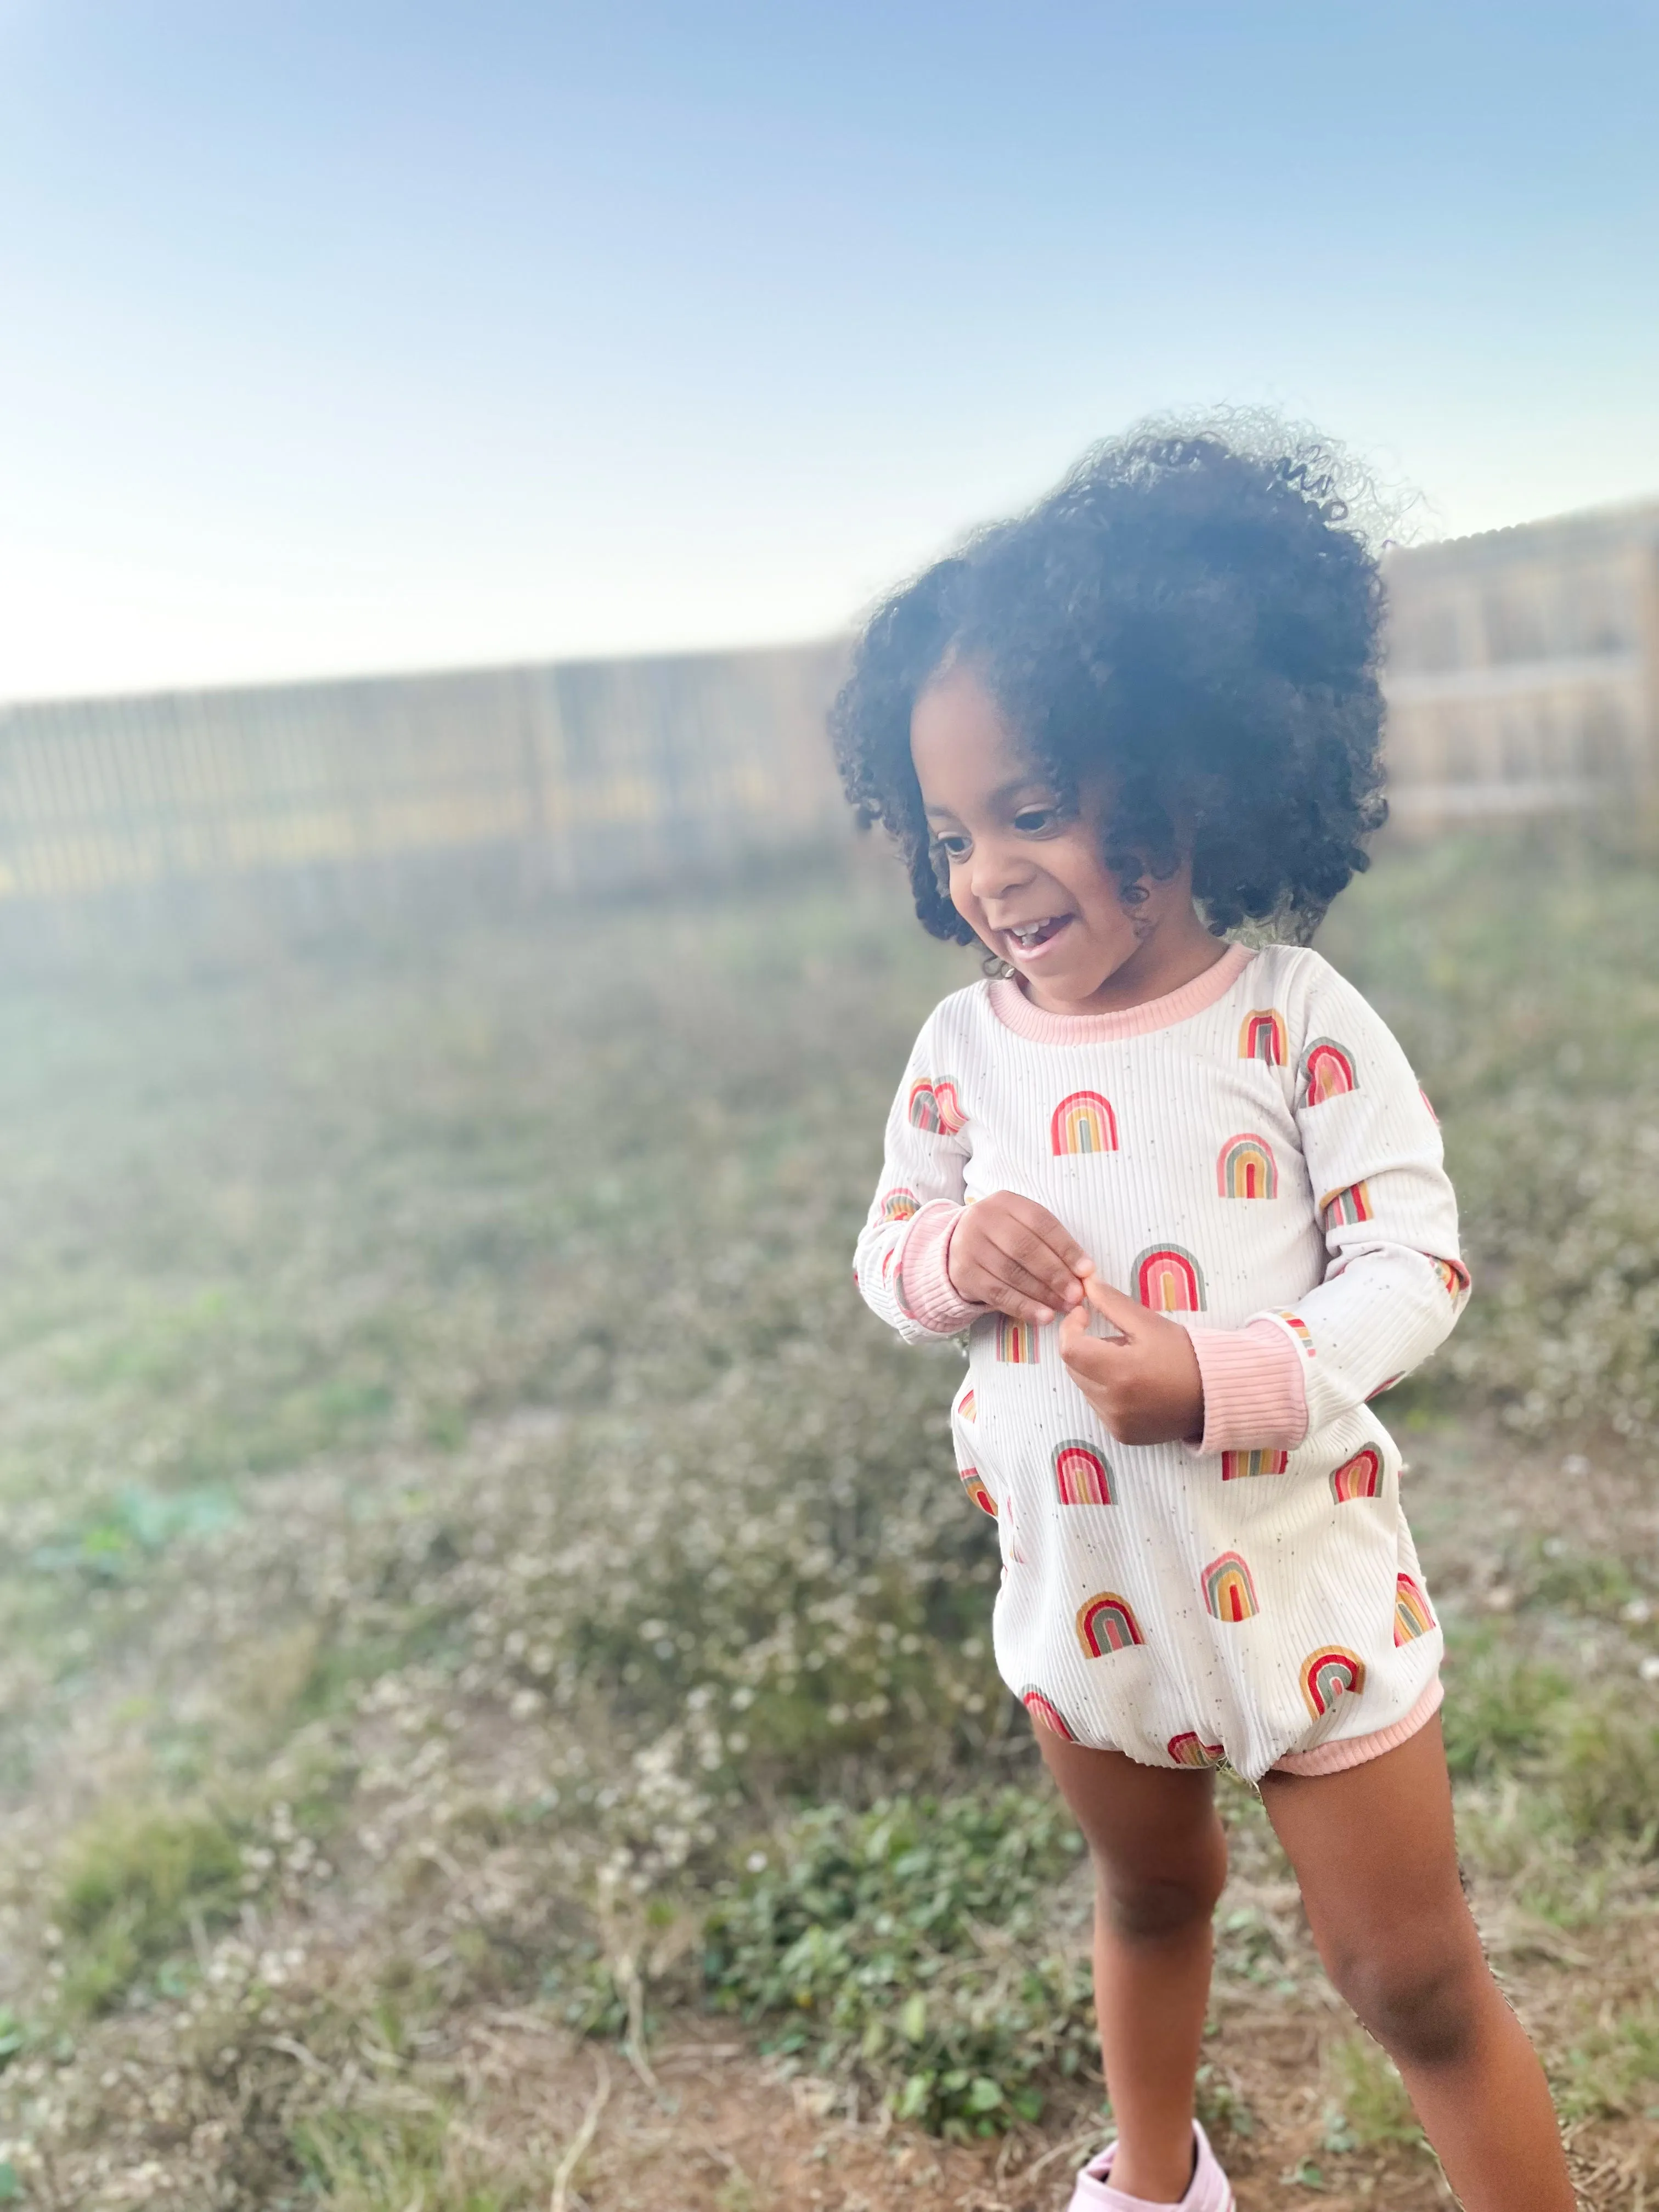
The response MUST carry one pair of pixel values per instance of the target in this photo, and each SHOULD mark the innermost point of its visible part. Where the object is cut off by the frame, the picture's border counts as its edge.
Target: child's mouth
(1028, 939)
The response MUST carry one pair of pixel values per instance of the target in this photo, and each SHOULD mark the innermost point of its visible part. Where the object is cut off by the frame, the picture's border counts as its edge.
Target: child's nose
(998, 869)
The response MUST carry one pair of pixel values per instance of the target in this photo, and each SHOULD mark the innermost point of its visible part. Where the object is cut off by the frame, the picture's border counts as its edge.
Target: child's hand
(1145, 1383)
(1010, 1254)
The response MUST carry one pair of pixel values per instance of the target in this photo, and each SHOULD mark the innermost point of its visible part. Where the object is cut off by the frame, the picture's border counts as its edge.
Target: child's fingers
(1047, 1235)
(1026, 1259)
(1125, 1314)
(1092, 1358)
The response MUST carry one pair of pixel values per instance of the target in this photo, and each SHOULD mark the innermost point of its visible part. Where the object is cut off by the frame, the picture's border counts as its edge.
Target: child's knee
(1141, 1907)
(1150, 1912)
(1422, 2005)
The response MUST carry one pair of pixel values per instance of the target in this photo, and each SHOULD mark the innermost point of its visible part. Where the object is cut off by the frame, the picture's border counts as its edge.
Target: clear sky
(344, 335)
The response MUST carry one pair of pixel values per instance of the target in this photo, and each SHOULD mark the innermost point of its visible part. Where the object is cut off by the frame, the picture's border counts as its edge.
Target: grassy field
(496, 1704)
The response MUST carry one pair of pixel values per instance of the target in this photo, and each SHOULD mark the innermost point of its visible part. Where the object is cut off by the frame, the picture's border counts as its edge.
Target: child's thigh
(1148, 1828)
(1375, 1853)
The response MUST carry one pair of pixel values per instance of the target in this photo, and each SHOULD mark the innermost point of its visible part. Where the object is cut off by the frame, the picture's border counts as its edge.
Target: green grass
(438, 1406)
(135, 1879)
(912, 1942)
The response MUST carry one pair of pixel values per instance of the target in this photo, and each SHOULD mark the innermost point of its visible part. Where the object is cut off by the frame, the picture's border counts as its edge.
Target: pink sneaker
(1209, 2190)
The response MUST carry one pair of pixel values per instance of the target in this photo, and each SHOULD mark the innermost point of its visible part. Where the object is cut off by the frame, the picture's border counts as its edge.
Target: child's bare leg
(1160, 1860)
(1374, 1851)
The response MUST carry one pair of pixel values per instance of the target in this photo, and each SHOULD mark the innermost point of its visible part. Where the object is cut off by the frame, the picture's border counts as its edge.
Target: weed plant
(451, 1477)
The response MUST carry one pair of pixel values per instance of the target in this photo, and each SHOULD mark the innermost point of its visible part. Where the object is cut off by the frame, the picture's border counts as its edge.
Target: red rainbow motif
(1046, 1714)
(1454, 1277)
(1345, 1209)
(1300, 1332)
(1190, 1750)
(1329, 1674)
(1428, 1103)
(1246, 1168)
(1229, 1589)
(1106, 1624)
(1017, 1341)
(1083, 1122)
(1382, 1387)
(1327, 1072)
(1412, 1616)
(1083, 1476)
(1236, 1466)
(1263, 1037)
(968, 1407)
(899, 1206)
(1358, 1477)
(933, 1107)
(974, 1483)
(1169, 1279)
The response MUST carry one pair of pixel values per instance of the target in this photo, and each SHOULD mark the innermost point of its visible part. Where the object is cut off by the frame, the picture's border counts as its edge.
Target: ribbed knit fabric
(1251, 1155)
(1354, 1750)
(1252, 1377)
(924, 1257)
(1254, 1394)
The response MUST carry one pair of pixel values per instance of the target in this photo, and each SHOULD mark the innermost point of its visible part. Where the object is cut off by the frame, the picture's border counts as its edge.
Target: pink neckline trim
(1015, 1011)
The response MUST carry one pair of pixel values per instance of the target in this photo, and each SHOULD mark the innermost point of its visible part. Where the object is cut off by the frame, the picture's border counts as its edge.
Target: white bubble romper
(1252, 1157)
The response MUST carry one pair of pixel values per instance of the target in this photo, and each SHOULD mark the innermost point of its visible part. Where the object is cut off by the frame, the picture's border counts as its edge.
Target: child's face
(1027, 878)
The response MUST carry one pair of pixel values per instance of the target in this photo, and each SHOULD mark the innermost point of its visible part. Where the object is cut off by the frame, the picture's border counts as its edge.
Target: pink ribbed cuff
(931, 1299)
(1254, 1396)
(1354, 1750)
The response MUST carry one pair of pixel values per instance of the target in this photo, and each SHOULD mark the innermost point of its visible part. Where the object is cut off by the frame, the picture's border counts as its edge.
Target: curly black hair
(1190, 613)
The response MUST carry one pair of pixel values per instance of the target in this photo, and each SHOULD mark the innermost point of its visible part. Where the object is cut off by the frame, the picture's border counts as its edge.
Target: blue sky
(356, 335)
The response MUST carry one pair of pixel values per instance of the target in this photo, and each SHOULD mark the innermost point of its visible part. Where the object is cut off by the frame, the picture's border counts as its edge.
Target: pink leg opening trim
(1355, 1750)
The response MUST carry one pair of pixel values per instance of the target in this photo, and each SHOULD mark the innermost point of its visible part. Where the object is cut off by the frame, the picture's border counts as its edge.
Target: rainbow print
(1237, 1465)
(1382, 1387)
(1083, 1122)
(1107, 1624)
(1358, 1477)
(1263, 1037)
(1017, 1341)
(899, 1206)
(969, 1408)
(1190, 1750)
(1229, 1589)
(1083, 1476)
(1412, 1616)
(1300, 1332)
(1169, 1279)
(974, 1483)
(933, 1107)
(1329, 1674)
(1345, 1209)
(1327, 1072)
(1428, 1103)
(1247, 1169)
(1454, 1277)
(1045, 1713)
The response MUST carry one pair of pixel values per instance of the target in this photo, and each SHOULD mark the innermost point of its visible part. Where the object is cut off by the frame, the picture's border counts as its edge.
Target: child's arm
(925, 1264)
(1394, 1281)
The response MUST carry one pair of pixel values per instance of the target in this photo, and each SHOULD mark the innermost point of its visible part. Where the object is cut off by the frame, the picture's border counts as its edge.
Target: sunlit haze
(359, 337)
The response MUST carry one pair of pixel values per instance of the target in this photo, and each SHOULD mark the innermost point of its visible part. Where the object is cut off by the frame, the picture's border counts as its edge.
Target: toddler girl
(1187, 1199)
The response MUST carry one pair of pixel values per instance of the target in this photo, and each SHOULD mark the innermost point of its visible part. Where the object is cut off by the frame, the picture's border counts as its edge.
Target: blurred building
(1523, 671)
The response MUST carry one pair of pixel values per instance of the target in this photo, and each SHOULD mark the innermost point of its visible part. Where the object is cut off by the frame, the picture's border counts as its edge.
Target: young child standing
(1188, 1201)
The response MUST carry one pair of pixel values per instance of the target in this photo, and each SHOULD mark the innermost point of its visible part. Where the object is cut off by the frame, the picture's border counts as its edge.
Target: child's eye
(1033, 820)
(952, 844)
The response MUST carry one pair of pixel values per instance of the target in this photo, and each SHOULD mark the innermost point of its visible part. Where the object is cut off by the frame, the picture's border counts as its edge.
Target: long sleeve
(1394, 1281)
(916, 1204)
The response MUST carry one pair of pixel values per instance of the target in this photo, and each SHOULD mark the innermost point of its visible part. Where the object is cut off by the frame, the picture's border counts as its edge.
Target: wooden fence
(585, 773)
(1522, 676)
